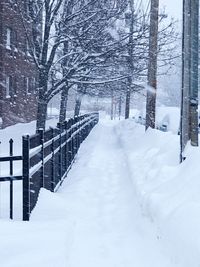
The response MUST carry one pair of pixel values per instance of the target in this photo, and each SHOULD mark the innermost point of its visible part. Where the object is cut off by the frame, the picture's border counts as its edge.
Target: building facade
(18, 74)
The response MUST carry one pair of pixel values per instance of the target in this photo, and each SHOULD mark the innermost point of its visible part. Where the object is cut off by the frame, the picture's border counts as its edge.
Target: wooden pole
(189, 98)
(152, 66)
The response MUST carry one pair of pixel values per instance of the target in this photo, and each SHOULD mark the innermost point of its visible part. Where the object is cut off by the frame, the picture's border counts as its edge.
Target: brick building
(18, 75)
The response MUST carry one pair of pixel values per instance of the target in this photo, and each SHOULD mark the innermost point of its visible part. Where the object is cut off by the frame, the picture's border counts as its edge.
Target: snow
(16, 132)
(126, 202)
(53, 111)
(169, 116)
(168, 192)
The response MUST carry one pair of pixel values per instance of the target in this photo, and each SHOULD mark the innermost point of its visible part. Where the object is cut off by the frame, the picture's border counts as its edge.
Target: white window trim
(28, 86)
(8, 38)
(27, 49)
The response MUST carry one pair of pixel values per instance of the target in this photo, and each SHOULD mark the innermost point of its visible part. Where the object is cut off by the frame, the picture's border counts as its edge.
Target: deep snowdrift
(169, 193)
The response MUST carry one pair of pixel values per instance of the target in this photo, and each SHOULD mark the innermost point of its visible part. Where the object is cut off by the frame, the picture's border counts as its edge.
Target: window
(8, 86)
(11, 86)
(27, 85)
(31, 85)
(14, 39)
(27, 48)
(128, 19)
(34, 85)
(8, 38)
(14, 87)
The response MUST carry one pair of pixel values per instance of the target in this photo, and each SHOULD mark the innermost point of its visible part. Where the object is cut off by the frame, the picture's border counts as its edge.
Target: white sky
(173, 7)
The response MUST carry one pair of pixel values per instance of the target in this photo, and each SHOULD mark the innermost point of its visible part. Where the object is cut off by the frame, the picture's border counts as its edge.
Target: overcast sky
(173, 7)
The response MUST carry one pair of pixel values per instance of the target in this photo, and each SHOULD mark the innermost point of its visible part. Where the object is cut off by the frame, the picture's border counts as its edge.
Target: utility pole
(194, 47)
(152, 66)
(189, 96)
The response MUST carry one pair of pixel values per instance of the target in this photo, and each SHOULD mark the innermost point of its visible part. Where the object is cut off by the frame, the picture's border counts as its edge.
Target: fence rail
(46, 159)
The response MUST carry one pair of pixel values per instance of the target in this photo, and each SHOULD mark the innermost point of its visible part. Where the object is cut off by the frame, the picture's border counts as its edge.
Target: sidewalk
(94, 219)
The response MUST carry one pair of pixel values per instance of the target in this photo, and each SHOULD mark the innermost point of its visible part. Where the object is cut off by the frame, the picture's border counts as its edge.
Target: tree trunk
(127, 105)
(63, 105)
(78, 105)
(41, 114)
(115, 110)
(42, 102)
(120, 107)
(112, 105)
(130, 58)
(128, 98)
(152, 67)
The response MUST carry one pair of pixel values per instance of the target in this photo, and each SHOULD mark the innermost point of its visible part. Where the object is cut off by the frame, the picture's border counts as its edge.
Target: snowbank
(169, 193)
(168, 116)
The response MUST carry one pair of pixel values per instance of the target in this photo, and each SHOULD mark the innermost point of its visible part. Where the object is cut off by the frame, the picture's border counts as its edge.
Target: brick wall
(16, 68)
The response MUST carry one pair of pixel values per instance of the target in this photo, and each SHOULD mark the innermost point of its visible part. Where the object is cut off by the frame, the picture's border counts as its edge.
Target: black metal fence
(46, 158)
(10, 177)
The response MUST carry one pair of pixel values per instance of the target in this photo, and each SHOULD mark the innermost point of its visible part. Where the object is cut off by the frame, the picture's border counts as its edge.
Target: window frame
(8, 38)
(8, 86)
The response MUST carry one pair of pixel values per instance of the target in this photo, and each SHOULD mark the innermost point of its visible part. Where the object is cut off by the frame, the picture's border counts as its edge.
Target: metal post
(66, 146)
(182, 87)
(78, 134)
(70, 143)
(59, 125)
(41, 133)
(26, 178)
(11, 181)
(52, 162)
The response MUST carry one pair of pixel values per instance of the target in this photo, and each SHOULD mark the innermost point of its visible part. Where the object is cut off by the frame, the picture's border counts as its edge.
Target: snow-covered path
(108, 228)
(93, 221)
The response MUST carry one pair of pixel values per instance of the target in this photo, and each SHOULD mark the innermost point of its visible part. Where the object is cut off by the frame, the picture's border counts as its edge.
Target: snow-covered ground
(126, 202)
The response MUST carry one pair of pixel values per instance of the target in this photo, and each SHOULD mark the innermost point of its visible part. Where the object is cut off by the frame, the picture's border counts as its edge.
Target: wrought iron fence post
(66, 146)
(41, 133)
(11, 181)
(79, 133)
(52, 162)
(59, 125)
(70, 142)
(76, 119)
(26, 178)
